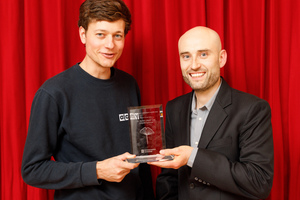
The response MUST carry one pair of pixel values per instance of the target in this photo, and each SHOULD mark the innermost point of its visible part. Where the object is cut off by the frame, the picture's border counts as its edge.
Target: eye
(118, 36)
(203, 54)
(100, 34)
(185, 57)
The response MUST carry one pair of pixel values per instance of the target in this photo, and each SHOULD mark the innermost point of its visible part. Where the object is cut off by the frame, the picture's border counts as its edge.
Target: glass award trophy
(147, 133)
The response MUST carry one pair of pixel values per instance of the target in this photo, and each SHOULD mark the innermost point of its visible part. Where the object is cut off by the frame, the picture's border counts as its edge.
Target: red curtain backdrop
(39, 39)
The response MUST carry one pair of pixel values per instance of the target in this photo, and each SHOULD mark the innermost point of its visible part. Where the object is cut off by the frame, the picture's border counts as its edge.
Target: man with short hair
(221, 137)
(76, 118)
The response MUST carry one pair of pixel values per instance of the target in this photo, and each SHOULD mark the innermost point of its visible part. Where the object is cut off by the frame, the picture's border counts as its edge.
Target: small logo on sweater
(125, 116)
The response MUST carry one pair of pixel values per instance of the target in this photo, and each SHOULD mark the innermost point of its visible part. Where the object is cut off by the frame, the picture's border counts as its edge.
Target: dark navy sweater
(78, 120)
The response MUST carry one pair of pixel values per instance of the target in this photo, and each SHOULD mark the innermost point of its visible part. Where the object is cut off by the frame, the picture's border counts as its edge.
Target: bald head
(201, 57)
(200, 34)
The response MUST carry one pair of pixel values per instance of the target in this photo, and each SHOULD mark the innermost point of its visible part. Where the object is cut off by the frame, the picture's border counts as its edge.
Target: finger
(129, 166)
(163, 164)
(124, 156)
(167, 152)
(131, 156)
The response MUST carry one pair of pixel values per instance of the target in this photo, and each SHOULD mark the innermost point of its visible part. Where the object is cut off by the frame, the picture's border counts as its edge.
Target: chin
(106, 65)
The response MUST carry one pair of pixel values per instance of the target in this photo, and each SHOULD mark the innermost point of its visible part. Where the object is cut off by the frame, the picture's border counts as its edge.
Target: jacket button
(192, 186)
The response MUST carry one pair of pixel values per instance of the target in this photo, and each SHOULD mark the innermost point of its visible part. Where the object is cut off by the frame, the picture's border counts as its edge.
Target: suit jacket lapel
(217, 115)
(186, 119)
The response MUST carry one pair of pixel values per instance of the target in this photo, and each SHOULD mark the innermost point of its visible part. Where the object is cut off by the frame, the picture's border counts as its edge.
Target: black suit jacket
(235, 156)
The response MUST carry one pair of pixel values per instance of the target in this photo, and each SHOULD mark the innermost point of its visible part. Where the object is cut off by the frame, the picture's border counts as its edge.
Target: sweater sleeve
(38, 167)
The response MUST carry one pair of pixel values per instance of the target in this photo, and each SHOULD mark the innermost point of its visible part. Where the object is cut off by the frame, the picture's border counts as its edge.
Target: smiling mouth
(108, 55)
(196, 75)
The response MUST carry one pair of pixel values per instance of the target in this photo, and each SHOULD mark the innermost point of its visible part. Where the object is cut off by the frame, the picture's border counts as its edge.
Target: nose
(196, 64)
(109, 42)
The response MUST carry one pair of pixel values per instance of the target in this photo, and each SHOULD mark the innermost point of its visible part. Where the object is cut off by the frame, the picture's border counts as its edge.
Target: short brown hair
(104, 10)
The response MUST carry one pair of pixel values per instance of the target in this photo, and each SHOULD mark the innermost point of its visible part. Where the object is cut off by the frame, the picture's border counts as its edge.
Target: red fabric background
(40, 39)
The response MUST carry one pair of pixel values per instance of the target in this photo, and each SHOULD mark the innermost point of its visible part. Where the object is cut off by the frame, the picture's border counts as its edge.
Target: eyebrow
(183, 53)
(103, 30)
(199, 51)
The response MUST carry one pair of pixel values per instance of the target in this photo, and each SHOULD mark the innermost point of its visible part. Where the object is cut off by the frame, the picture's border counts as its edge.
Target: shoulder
(124, 80)
(246, 98)
(245, 104)
(236, 98)
(122, 75)
(61, 79)
(59, 84)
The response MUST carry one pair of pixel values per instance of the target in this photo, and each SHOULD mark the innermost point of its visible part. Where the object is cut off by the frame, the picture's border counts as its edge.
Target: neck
(95, 70)
(203, 97)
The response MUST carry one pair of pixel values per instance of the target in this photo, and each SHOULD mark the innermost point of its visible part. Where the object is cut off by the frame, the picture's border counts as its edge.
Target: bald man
(221, 137)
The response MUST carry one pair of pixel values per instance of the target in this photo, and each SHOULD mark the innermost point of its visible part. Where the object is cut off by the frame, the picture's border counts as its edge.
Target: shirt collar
(209, 104)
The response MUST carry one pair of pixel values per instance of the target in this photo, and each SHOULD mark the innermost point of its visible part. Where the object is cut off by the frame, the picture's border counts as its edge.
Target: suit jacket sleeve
(249, 171)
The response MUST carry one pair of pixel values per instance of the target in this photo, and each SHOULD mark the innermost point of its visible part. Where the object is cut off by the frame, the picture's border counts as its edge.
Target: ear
(223, 58)
(82, 34)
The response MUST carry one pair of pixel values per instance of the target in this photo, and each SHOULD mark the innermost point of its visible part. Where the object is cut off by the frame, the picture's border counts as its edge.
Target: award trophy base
(150, 158)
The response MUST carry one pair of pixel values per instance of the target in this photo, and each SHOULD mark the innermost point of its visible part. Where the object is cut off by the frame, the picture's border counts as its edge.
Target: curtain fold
(39, 39)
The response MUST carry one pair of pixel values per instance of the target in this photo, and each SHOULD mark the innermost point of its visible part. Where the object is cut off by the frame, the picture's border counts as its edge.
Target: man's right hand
(181, 153)
(116, 168)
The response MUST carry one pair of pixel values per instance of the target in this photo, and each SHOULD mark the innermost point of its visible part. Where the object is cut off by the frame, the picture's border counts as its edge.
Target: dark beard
(211, 83)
